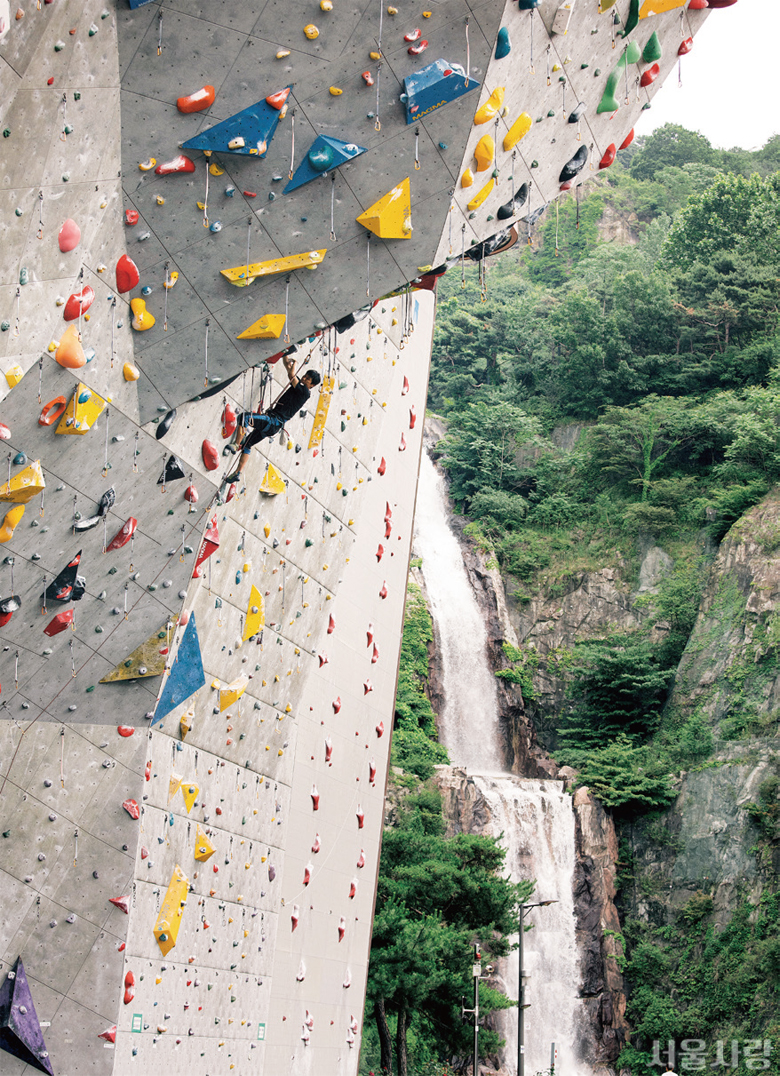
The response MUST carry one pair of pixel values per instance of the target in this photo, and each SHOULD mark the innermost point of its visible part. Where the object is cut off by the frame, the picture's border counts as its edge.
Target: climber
(266, 425)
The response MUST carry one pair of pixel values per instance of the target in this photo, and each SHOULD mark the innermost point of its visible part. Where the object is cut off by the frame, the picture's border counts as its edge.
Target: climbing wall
(197, 685)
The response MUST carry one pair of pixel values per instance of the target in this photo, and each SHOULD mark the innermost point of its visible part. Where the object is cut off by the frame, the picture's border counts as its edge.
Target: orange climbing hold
(52, 411)
(277, 100)
(196, 102)
(70, 353)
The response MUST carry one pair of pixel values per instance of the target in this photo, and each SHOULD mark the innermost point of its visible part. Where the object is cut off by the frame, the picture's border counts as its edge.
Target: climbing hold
(503, 44)
(255, 614)
(171, 281)
(132, 809)
(12, 518)
(24, 486)
(484, 153)
(123, 903)
(69, 235)
(79, 303)
(127, 275)
(232, 692)
(336, 704)
(59, 623)
(109, 1034)
(129, 986)
(650, 75)
(21, 1029)
(166, 422)
(148, 659)
(334, 91)
(415, 50)
(685, 47)
(123, 536)
(272, 483)
(383, 591)
(490, 109)
(467, 178)
(609, 156)
(210, 455)
(172, 470)
(186, 675)
(513, 207)
(130, 372)
(204, 849)
(380, 728)
(475, 203)
(82, 412)
(632, 18)
(148, 165)
(131, 217)
(652, 50)
(342, 928)
(391, 216)
(166, 929)
(197, 101)
(294, 916)
(361, 860)
(52, 411)
(574, 166)
(70, 353)
(66, 585)
(324, 154)
(367, 687)
(577, 113)
(190, 793)
(413, 35)
(191, 494)
(315, 798)
(435, 85)
(248, 132)
(627, 140)
(8, 607)
(268, 327)
(142, 318)
(242, 275)
(179, 164)
(368, 78)
(229, 421)
(311, 31)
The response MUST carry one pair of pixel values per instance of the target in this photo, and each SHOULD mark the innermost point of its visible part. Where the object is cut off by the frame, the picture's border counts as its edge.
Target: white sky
(729, 81)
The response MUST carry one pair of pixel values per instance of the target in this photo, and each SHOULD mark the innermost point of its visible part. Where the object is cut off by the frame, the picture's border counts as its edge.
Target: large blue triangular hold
(434, 86)
(186, 674)
(249, 132)
(325, 154)
(20, 1029)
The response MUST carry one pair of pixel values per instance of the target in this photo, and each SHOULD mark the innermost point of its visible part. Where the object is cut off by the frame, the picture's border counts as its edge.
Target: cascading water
(534, 818)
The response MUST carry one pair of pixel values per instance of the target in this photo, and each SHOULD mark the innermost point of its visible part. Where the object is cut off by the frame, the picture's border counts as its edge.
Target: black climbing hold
(165, 424)
(576, 114)
(172, 470)
(500, 241)
(63, 586)
(513, 207)
(573, 167)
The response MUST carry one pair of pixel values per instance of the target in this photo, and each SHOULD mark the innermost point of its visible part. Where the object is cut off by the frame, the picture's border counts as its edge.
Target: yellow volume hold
(242, 275)
(166, 929)
(518, 130)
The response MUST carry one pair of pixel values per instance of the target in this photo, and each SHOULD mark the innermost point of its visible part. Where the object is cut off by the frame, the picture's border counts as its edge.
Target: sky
(729, 82)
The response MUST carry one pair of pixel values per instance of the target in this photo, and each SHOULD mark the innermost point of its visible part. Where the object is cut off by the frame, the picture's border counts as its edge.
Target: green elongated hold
(633, 17)
(653, 50)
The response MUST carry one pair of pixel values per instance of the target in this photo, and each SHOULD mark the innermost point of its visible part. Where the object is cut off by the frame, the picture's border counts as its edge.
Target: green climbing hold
(633, 17)
(24, 276)
(653, 50)
(90, 688)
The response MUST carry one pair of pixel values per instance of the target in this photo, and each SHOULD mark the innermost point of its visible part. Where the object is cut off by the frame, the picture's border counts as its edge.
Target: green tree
(672, 145)
(436, 897)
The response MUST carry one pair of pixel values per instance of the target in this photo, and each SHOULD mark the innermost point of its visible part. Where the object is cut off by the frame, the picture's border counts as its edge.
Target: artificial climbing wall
(197, 693)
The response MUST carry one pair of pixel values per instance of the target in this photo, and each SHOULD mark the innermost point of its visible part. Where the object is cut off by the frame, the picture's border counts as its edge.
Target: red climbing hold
(336, 704)
(276, 100)
(405, 389)
(229, 421)
(127, 275)
(402, 446)
(372, 771)
(306, 876)
(132, 808)
(131, 217)
(342, 928)
(328, 749)
(144, 852)
(210, 455)
(182, 163)
(388, 528)
(209, 544)
(191, 495)
(375, 655)
(125, 730)
(361, 859)
(121, 902)
(412, 418)
(388, 511)
(5, 432)
(123, 535)
(148, 770)
(352, 888)
(609, 157)
(382, 467)
(650, 75)
(685, 47)
(367, 687)
(415, 50)
(627, 140)
(59, 623)
(294, 915)
(230, 494)
(380, 730)
(129, 987)
(567, 186)
(697, 5)
(369, 635)
(79, 303)
(413, 35)
(323, 659)
(380, 549)
(109, 1034)
(69, 235)
(721, 3)
(315, 798)
(331, 625)
(317, 843)
(196, 102)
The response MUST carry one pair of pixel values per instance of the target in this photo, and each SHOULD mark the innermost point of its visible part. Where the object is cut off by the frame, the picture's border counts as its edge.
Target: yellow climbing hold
(375, 55)
(166, 929)
(266, 530)
(130, 372)
(491, 107)
(24, 486)
(242, 275)
(321, 414)
(172, 278)
(14, 375)
(12, 517)
(391, 216)
(518, 130)
(311, 31)
(82, 412)
(232, 692)
(190, 793)
(282, 54)
(204, 849)
(467, 178)
(147, 659)
(185, 723)
(147, 166)
(326, 5)
(142, 319)
(268, 327)
(480, 197)
(215, 170)
(174, 784)
(657, 7)
(335, 91)
(483, 154)
(255, 614)
(272, 483)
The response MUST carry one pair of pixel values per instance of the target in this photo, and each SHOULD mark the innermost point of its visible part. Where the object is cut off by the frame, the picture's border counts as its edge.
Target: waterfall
(534, 818)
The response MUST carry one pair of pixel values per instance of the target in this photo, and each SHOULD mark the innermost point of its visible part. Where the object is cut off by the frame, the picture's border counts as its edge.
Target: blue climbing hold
(186, 675)
(248, 133)
(324, 154)
(433, 86)
(503, 44)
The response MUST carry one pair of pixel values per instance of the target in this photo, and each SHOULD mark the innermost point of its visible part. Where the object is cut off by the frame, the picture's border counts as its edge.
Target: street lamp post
(521, 1006)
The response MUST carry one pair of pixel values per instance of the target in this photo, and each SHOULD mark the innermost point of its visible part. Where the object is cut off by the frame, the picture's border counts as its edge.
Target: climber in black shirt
(266, 425)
